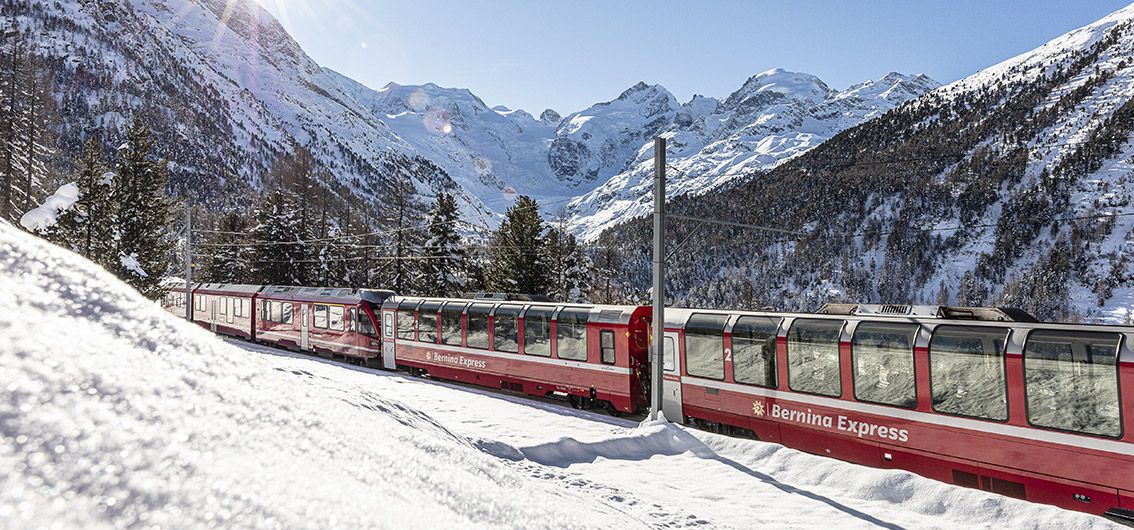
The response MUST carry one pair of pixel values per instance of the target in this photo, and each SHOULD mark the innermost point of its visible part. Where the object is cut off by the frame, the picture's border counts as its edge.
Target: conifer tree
(577, 274)
(518, 253)
(88, 226)
(229, 260)
(443, 266)
(406, 237)
(281, 257)
(29, 120)
(142, 245)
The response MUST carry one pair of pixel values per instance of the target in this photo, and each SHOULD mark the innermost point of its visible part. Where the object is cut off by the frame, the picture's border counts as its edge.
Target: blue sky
(568, 55)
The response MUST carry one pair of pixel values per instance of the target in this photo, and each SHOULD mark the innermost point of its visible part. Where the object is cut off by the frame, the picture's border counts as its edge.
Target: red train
(979, 397)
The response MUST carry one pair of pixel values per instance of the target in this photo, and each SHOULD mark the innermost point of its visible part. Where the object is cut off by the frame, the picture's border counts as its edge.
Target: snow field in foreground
(117, 414)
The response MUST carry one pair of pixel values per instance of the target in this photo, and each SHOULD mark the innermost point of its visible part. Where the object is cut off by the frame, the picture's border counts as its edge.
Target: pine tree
(88, 226)
(281, 257)
(405, 240)
(228, 261)
(142, 241)
(29, 121)
(443, 266)
(579, 269)
(518, 253)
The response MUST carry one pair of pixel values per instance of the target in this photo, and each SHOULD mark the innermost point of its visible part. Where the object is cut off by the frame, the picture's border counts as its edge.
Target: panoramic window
(537, 331)
(813, 357)
(451, 323)
(704, 345)
(505, 333)
(336, 318)
(571, 334)
(754, 350)
(1072, 381)
(882, 354)
(285, 313)
(966, 371)
(320, 316)
(606, 346)
(668, 352)
(427, 322)
(407, 326)
(365, 325)
(476, 322)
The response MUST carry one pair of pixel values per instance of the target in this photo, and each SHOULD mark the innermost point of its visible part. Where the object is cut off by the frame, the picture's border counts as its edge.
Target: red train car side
(226, 308)
(1024, 409)
(593, 355)
(325, 320)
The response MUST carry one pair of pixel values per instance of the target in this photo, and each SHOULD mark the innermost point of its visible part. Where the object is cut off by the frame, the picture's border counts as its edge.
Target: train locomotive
(986, 398)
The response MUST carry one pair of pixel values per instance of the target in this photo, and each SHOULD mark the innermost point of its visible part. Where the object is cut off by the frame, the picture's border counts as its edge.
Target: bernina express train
(979, 397)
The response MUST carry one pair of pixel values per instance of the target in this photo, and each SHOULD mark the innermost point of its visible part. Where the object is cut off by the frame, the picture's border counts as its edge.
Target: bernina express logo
(455, 360)
(826, 421)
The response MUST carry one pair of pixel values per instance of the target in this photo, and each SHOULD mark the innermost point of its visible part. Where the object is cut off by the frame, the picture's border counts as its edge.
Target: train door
(304, 332)
(213, 314)
(671, 379)
(388, 360)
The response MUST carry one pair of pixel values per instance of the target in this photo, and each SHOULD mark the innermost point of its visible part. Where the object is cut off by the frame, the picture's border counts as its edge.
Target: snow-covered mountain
(1010, 187)
(773, 117)
(225, 88)
(228, 91)
(596, 164)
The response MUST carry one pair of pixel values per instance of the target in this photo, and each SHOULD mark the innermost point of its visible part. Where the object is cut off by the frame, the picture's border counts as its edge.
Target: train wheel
(611, 409)
(576, 401)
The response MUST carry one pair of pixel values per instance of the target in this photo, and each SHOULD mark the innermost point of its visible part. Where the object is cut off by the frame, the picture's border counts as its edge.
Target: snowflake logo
(758, 408)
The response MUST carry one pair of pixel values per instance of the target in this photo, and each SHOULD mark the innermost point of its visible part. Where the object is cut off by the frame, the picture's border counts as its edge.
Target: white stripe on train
(1108, 446)
(517, 357)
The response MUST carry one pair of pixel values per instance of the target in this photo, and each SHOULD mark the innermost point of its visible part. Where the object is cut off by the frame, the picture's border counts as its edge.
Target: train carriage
(591, 355)
(326, 320)
(225, 308)
(979, 397)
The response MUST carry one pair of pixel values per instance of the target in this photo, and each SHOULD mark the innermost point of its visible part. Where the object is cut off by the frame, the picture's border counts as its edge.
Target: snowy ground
(116, 414)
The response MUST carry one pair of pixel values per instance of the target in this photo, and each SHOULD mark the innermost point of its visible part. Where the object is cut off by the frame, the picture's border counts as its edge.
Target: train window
(754, 350)
(1071, 380)
(537, 331)
(223, 305)
(966, 371)
(427, 322)
(476, 322)
(606, 345)
(667, 355)
(320, 316)
(336, 318)
(704, 345)
(571, 334)
(365, 325)
(407, 329)
(882, 354)
(285, 313)
(813, 357)
(451, 323)
(266, 311)
(505, 334)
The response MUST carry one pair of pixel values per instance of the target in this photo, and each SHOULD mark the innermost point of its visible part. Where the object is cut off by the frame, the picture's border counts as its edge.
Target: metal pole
(659, 279)
(188, 260)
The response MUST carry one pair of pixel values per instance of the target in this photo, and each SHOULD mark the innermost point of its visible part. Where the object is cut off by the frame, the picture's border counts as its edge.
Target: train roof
(325, 294)
(678, 317)
(614, 314)
(235, 288)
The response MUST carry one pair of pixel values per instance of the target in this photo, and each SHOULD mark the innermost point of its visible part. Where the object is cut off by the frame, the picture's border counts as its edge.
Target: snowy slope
(225, 88)
(115, 413)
